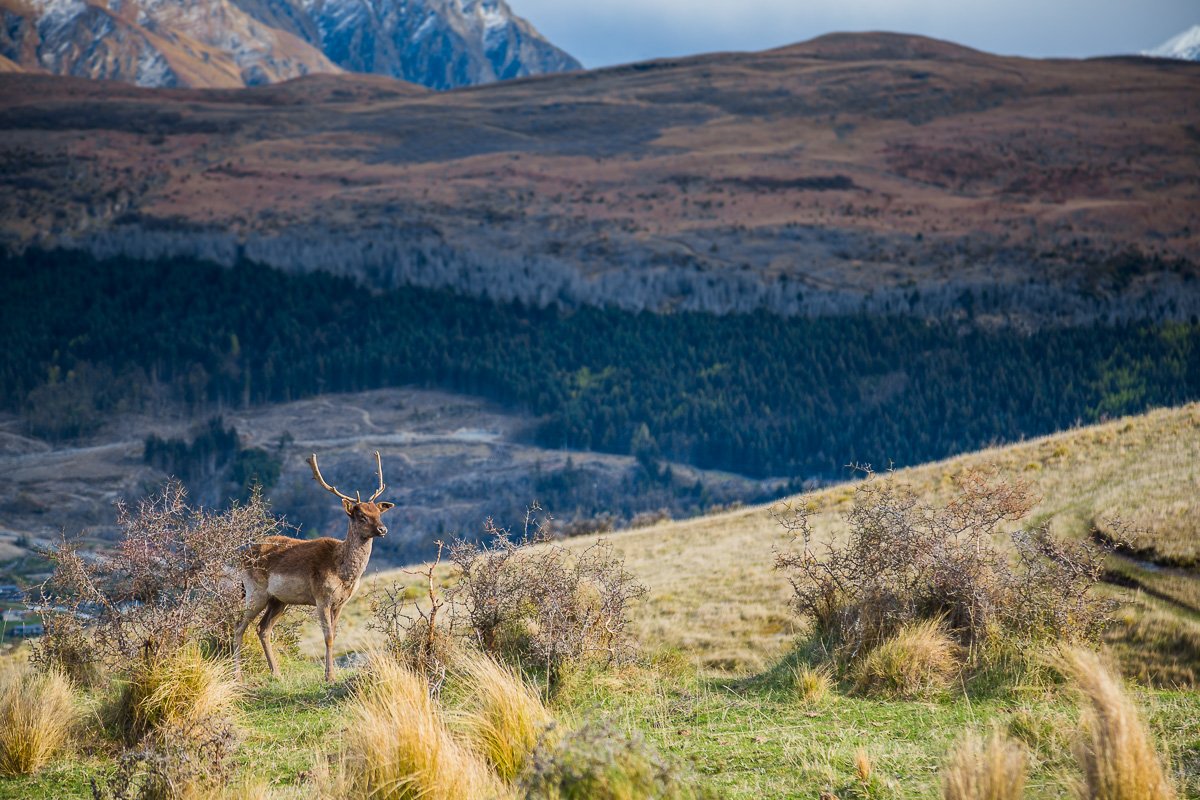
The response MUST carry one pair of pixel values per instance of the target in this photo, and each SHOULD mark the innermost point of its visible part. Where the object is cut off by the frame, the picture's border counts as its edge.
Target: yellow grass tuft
(1115, 750)
(991, 770)
(502, 716)
(862, 765)
(920, 659)
(178, 690)
(811, 685)
(398, 747)
(37, 712)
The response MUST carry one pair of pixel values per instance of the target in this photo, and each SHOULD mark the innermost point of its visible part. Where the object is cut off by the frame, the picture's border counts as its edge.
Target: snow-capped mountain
(437, 43)
(206, 43)
(1185, 46)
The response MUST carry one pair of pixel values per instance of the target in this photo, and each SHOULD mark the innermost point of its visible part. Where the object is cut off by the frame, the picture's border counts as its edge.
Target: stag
(280, 571)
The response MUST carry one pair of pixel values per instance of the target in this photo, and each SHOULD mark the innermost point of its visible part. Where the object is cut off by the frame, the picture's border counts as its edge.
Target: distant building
(9, 591)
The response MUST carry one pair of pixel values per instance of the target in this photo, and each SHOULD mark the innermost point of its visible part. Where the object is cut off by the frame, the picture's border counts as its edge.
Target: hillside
(712, 691)
(233, 43)
(715, 597)
(868, 172)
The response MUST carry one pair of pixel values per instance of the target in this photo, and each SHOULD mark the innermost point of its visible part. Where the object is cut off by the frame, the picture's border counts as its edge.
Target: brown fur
(280, 571)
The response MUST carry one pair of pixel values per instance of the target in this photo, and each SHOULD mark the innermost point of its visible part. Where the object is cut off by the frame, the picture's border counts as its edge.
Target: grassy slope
(716, 604)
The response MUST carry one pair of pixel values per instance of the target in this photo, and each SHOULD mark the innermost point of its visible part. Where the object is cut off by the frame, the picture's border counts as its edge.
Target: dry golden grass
(921, 659)
(862, 765)
(37, 713)
(399, 748)
(1115, 749)
(501, 716)
(991, 770)
(179, 691)
(715, 595)
(811, 685)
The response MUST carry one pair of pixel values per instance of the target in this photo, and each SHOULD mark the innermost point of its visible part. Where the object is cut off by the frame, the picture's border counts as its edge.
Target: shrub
(535, 601)
(502, 717)
(37, 713)
(186, 762)
(176, 691)
(920, 659)
(1115, 750)
(991, 770)
(398, 747)
(600, 762)
(167, 583)
(422, 638)
(904, 561)
(67, 645)
(811, 684)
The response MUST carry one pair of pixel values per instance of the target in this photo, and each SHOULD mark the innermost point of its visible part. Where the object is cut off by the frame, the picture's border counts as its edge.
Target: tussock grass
(921, 659)
(37, 713)
(810, 684)
(599, 761)
(179, 690)
(501, 716)
(995, 769)
(399, 748)
(1115, 749)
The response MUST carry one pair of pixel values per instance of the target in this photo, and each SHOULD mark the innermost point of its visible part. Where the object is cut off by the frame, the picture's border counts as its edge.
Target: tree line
(756, 393)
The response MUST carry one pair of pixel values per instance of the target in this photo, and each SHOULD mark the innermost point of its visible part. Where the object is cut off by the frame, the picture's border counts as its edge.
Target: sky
(604, 32)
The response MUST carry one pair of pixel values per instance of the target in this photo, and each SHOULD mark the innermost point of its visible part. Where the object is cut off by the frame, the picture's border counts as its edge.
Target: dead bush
(599, 761)
(528, 600)
(170, 581)
(189, 762)
(421, 638)
(904, 561)
(535, 601)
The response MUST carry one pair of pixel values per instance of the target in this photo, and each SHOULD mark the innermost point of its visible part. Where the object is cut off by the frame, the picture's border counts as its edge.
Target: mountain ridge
(228, 43)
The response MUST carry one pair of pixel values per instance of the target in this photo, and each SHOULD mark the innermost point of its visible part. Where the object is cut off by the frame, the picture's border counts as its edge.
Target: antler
(312, 462)
(379, 469)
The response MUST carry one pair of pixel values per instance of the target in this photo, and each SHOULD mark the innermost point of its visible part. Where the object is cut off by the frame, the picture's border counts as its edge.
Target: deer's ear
(385, 506)
(349, 506)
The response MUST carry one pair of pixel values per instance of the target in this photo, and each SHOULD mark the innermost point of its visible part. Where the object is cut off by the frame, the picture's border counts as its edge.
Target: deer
(279, 571)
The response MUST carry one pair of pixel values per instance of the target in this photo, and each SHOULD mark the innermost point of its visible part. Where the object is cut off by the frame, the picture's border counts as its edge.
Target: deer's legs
(325, 614)
(274, 610)
(255, 603)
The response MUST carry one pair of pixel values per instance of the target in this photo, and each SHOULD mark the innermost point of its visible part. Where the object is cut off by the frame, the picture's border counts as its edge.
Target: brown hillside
(871, 171)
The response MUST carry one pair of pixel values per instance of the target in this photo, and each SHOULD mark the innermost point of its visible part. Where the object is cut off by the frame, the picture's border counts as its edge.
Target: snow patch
(1185, 46)
(57, 14)
(425, 27)
(153, 69)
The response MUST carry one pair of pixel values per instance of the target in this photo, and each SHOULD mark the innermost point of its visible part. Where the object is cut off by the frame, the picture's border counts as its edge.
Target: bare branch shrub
(528, 600)
(170, 581)
(535, 601)
(421, 638)
(904, 561)
(193, 761)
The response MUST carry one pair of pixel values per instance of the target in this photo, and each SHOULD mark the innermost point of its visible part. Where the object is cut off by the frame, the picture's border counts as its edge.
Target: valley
(450, 462)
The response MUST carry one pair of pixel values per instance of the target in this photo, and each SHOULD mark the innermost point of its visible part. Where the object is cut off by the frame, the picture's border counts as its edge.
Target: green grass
(747, 738)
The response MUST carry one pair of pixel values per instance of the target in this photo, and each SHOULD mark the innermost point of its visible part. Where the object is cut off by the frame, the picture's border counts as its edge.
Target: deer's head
(365, 516)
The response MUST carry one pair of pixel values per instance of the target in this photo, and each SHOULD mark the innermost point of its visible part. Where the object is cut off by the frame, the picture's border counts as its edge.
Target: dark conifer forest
(756, 394)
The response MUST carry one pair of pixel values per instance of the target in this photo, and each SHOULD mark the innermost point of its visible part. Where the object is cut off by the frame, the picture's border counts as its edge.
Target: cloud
(617, 31)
